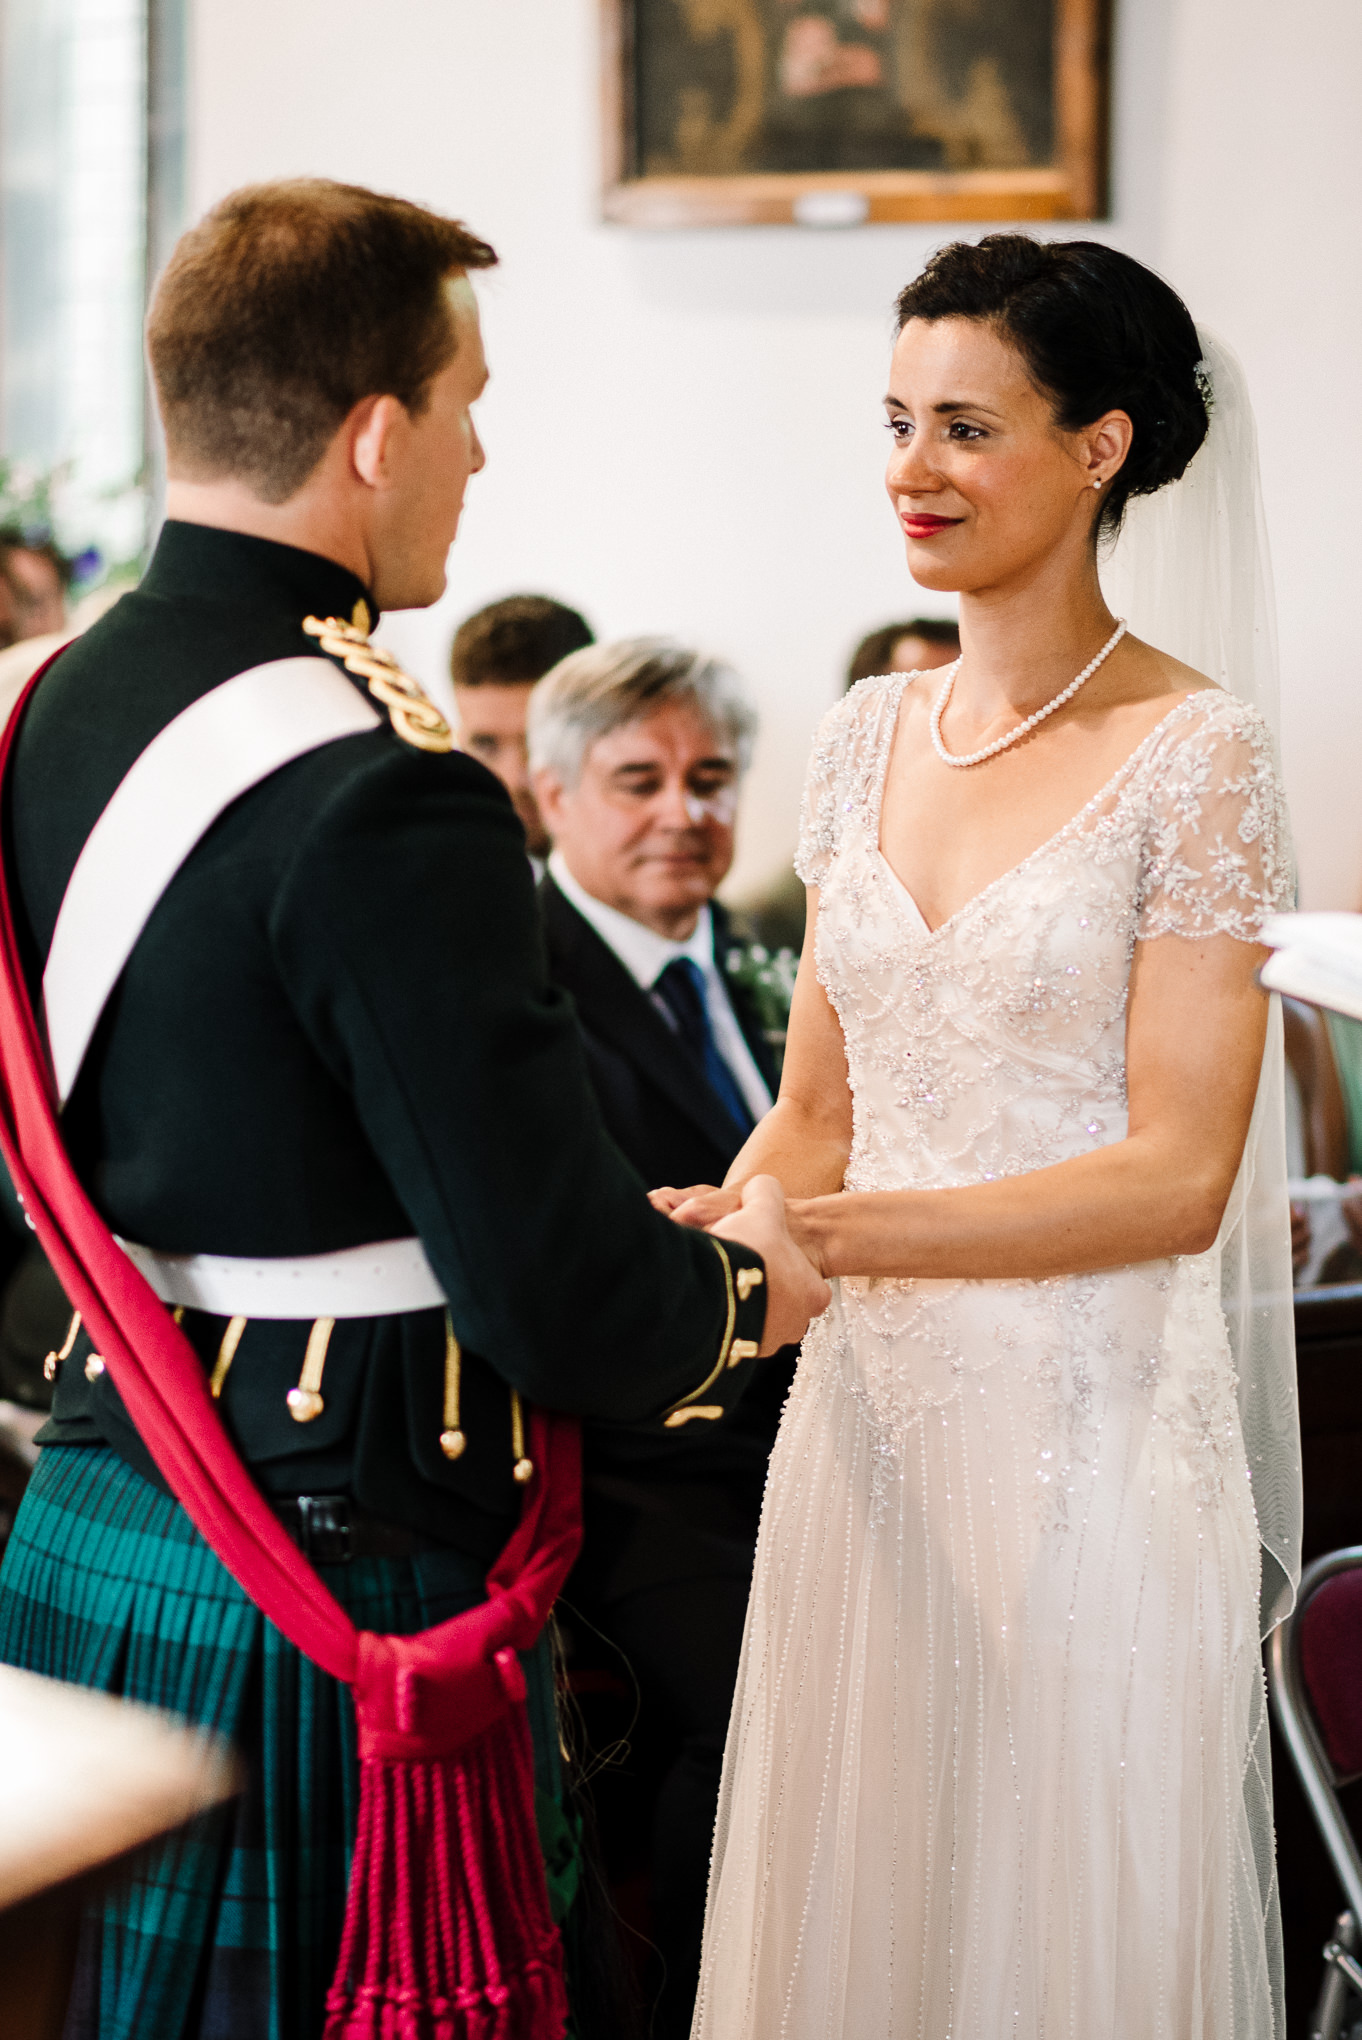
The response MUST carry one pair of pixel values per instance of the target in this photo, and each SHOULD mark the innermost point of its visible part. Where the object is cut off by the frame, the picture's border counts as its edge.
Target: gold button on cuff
(94, 1367)
(679, 1417)
(452, 1444)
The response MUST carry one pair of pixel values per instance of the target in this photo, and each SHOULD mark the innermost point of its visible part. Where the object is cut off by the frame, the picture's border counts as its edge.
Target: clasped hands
(755, 1216)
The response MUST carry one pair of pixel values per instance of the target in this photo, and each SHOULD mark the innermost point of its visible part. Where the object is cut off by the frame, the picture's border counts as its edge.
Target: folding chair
(1315, 1680)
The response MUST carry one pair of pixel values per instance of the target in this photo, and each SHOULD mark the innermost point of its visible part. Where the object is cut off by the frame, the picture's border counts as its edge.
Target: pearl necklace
(1014, 736)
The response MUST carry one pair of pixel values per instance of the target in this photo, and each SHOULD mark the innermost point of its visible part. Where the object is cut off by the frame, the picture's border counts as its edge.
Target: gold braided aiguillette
(414, 716)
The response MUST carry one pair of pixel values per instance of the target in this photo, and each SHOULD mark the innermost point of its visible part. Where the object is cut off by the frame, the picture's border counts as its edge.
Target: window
(91, 184)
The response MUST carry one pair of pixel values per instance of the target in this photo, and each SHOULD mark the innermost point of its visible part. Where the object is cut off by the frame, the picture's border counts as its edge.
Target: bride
(997, 1767)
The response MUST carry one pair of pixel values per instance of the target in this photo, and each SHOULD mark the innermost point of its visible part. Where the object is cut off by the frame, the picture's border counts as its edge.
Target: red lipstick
(920, 524)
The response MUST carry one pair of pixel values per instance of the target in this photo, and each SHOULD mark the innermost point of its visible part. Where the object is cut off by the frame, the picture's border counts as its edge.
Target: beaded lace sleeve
(1217, 845)
(843, 770)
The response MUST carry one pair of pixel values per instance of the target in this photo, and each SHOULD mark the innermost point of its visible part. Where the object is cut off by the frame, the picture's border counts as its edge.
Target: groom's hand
(795, 1291)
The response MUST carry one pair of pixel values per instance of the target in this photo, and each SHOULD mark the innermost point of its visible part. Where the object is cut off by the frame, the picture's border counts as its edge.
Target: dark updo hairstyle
(1097, 331)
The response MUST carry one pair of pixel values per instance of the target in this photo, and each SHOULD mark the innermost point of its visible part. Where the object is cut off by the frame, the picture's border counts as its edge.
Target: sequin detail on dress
(1000, 1712)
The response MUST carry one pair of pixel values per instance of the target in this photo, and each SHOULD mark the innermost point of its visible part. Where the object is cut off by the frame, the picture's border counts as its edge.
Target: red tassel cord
(447, 1929)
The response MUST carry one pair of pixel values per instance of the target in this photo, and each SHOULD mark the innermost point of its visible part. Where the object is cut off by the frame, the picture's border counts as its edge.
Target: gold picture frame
(764, 112)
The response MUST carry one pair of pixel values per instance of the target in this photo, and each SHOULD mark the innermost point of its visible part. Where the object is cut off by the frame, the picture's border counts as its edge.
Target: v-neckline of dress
(874, 817)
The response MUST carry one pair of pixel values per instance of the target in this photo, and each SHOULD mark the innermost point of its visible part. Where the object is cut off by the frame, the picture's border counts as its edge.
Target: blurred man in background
(637, 751)
(917, 646)
(776, 916)
(34, 577)
(497, 655)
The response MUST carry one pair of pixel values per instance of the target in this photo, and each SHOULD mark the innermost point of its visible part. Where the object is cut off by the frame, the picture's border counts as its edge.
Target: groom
(334, 1038)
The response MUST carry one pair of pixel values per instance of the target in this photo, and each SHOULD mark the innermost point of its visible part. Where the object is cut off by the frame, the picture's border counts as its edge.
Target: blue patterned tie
(681, 986)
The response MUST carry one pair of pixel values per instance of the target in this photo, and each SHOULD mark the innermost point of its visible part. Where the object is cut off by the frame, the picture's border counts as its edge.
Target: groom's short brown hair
(282, 308)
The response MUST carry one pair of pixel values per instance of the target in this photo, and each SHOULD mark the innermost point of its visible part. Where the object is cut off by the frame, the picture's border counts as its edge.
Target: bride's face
(983, 480)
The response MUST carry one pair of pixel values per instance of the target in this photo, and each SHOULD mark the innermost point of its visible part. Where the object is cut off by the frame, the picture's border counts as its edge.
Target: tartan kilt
(230, 1926)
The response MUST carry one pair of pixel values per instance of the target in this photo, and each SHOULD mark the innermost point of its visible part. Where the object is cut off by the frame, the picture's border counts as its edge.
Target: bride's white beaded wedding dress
(997, 1767)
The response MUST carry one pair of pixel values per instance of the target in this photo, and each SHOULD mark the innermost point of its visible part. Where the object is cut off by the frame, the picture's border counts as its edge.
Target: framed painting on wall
(831, 112)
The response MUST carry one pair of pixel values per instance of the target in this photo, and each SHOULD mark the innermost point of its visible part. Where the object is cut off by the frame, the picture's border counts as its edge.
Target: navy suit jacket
(652, 1095)
(660, 1111)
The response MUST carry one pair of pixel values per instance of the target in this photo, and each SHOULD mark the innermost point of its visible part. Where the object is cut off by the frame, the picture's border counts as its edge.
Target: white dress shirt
(645, 955)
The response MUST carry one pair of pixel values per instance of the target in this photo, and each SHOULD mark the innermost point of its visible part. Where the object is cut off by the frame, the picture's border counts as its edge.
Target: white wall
(683, 428)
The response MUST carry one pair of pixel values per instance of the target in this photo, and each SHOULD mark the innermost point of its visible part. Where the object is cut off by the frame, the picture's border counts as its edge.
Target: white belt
(375, 1281)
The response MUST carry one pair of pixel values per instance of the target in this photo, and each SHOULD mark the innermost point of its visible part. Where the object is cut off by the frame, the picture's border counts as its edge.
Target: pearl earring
(1098, 483)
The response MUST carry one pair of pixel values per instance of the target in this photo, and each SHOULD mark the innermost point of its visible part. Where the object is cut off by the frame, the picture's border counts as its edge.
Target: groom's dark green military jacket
(338, 1028)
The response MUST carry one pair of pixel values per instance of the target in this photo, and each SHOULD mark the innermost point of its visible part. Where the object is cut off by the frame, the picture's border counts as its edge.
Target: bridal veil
(1190, 572)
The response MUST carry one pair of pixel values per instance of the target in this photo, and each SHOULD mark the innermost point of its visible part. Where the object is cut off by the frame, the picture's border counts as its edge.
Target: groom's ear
(369, 431)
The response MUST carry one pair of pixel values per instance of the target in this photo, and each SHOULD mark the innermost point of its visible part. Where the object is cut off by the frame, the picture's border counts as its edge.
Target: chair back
(1329, 1639)
(1315, 1683)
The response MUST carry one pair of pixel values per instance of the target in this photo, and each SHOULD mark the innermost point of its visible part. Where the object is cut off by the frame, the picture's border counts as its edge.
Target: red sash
(447, 1932)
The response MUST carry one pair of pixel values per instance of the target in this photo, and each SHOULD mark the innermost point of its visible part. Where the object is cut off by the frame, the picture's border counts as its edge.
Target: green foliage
(91, 531)
(769, 982)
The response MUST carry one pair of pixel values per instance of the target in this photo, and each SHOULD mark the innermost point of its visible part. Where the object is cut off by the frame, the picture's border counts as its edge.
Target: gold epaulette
(414, 716)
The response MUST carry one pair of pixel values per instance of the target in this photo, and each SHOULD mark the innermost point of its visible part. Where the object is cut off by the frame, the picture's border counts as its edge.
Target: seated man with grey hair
(637, 751)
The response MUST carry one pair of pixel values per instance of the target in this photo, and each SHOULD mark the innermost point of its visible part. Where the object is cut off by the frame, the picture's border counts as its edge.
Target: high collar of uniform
(206, 564)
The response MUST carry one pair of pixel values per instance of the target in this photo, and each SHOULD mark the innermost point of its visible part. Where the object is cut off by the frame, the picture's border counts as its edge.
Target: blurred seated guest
(497, 655)
(37, 614)
(776, 916)
(33, 582)
(34, 578)
(917, 646)
(637, 752)
(1345, 1037)
(1316, 1141)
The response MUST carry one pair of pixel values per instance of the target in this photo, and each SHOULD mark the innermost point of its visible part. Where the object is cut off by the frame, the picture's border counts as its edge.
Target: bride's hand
(701, 1206)
(805, 1235)
(795, 1291)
